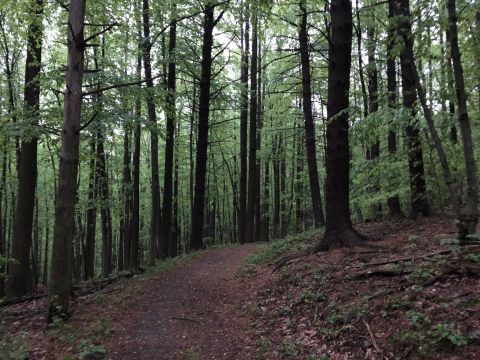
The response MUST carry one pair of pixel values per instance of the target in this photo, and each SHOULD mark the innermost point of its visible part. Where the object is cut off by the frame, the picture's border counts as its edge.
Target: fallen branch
(380, 272)
(405, 258)
(185, 319)
(372, 336)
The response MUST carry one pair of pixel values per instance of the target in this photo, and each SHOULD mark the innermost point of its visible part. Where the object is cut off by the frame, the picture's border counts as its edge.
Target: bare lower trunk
(19, 280)
(152, 116)
(469, 218)
(196, 234)
(309, 123)
(339, 230)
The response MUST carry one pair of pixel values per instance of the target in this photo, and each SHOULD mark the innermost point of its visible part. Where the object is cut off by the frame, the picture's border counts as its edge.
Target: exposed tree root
(345, 236)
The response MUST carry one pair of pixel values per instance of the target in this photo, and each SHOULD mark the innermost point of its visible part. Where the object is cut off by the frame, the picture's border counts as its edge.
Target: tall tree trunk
(407, 53)
(276, 186)
(258, 196)
(166, 230)
(393, 201)
(372, 74)
(339, 230)
(133, 264)
(125, 223)
(242, 213)
(61, 268)
(360, 61)
(469, 217)
(19, 280)
(196, 234)
(252, 146)
(3, 242)
(418, 187)
(309, 123)
(152, 116)
(89, 254)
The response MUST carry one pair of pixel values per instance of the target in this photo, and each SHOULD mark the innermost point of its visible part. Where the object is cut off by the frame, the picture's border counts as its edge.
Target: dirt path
(191, 312)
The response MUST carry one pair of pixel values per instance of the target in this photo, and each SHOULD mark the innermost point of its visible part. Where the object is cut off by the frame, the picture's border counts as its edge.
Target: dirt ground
(192, 311)
(410, 293)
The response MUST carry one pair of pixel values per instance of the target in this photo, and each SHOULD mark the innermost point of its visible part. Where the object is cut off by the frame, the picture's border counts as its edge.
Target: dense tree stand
(339, 231)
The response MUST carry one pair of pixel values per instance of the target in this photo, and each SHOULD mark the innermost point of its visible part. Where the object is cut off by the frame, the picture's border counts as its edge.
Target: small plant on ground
(89, 351)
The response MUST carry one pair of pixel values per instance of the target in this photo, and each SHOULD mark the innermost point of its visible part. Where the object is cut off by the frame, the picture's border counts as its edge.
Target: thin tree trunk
(469, 217)
(242, 214)
(393, 201)
(372, 74)
(166, 230)
(89, 254)
(134, 264)
(418, 187)
(310, 142)
(252, 146)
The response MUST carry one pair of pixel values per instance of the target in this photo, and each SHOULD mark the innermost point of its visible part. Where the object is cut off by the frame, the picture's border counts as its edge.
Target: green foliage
(263, 345)
(278, 248)
(89, 351)
(430, 336)
(14, 349)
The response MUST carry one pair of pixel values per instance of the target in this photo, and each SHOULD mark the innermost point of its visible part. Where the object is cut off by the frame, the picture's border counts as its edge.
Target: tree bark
(166, 230)
(196, 234)
(418, 187)
(89, 254)
(242, 214)
(309, 123)
(469, 218)
(61, 268)
(135, 212)
(19, 280)
(252, 136)
(152, 116)
(393, 201)
(339, 230)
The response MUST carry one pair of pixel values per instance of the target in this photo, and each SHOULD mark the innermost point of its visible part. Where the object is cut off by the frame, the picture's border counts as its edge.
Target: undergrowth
(279, 248)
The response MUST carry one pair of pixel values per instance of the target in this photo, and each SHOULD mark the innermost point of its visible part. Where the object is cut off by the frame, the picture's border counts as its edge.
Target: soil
(192, 311)
(409, 293)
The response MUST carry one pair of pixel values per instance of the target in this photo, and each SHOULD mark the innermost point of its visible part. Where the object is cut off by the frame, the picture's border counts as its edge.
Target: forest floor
(411, 293)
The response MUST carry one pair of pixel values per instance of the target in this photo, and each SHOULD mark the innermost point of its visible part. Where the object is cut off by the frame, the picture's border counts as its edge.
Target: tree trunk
(89, 254)
(134, 264)
(125, 223)
(339, 230)
(372, 74)
(258, 172)
(469, 217)
(309, 123)
(61, 268)
(418, 187)
(393, 201)
(166, 230)
(252, 145)
(3, 242)
(152, 116)
(196, 234)
(19, 280)
(242, 214)
(407, 53)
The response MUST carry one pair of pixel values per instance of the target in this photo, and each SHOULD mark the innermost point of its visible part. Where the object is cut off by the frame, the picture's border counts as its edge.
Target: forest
(297, 149)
